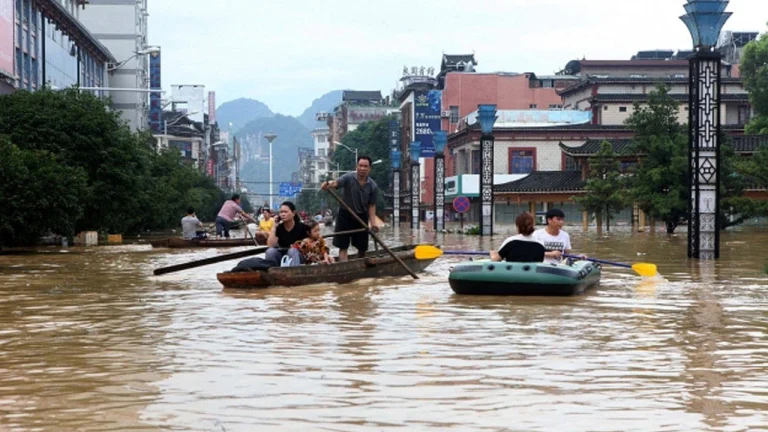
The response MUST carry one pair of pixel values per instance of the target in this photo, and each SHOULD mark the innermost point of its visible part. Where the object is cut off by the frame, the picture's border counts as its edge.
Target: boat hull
(523, 279)
(376, 265)
(179, 243)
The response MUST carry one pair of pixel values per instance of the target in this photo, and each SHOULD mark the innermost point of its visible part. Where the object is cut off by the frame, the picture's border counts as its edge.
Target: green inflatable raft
(534, 279)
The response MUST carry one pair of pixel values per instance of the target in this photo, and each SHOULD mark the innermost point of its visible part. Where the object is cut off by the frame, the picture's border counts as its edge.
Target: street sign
(461, 204)
(289, 189)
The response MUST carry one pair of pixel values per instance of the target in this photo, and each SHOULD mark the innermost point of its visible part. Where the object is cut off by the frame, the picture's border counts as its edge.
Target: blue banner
(426, 119)
(155, 103)
(289, 190)
(394, 135)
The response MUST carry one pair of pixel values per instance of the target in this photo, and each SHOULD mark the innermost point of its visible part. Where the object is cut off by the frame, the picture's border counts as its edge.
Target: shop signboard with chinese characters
(426, 119)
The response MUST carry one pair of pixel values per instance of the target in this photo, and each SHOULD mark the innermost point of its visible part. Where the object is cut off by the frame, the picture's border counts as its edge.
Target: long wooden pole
(231, 256)
(373, 234)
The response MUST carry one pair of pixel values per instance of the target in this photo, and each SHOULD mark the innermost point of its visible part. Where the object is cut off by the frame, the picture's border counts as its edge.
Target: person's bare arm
(272, 240)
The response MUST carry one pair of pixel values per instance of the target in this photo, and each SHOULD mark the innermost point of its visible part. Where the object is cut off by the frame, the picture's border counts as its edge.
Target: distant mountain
(291, 135)
(325, 103)
(239, 112)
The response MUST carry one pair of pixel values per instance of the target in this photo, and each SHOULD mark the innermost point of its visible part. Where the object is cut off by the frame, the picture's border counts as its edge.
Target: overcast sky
(287, 53)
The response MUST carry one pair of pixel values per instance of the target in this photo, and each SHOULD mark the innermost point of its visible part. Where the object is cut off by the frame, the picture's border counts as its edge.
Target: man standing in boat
(360, 192)
(555, 240)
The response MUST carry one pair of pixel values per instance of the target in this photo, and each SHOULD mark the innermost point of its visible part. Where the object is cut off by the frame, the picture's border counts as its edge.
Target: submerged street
(89, 340)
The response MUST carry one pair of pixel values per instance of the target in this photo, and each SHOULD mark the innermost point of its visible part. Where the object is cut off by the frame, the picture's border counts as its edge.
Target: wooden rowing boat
(375, 265)
(178, 243)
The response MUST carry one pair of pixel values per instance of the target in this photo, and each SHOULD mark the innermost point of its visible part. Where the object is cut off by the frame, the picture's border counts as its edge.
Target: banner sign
(211, 107)
(155, 102)
(7, 50)
(394, 135)
(426, 119)
(289, 189)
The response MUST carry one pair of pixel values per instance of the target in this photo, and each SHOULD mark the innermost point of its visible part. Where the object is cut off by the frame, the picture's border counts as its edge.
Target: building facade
(356, 108)
(321, 145)
(121, 26)
(50, 46)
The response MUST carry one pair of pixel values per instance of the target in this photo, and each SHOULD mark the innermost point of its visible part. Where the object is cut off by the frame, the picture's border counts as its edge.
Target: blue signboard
(426, 119)
(155, 104)
(289, 189)
(394, 135)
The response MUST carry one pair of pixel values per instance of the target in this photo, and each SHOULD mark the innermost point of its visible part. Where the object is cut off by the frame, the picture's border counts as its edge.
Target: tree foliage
(100, 176)
(659, 183)
(605, 187)
(754, 70)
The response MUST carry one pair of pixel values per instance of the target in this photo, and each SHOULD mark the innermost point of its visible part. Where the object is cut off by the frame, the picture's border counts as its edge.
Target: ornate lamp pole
(395, 159)
(704, 19)
(486, 115)
(440, 138)
(415, 151)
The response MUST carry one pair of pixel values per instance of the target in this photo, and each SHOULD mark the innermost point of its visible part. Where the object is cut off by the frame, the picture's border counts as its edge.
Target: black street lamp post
(440, 139)
(704, 19)
(415, 151)
(486, 115)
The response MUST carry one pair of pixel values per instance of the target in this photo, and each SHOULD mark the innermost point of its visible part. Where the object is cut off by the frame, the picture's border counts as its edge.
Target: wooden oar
(431, 252)
(373, 234)
(230, 256)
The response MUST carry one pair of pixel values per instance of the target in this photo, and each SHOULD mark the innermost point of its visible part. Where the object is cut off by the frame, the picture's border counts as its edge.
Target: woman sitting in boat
(313, 249)
(521, 247)
(284, 234)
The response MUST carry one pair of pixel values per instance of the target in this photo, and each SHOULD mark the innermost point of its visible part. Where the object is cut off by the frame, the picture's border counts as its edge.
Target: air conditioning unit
(445, 113)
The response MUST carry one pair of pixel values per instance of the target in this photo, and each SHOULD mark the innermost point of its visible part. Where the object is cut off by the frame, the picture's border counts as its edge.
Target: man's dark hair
(370, 161)
(235, 197)
(190, 210)
(553, 213)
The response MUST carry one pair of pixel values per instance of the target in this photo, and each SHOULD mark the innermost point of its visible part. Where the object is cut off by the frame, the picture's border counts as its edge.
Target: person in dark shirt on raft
(522, 247)
(284, 234)
(360, 195)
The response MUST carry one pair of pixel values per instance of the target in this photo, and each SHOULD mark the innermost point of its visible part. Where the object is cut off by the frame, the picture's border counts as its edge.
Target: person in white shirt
(522, 247)
(555, 240)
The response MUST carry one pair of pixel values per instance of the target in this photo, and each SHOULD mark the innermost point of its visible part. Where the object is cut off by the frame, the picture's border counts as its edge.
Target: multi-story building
(356, 108)
(48, 45)
(121, 26)
(321, 167)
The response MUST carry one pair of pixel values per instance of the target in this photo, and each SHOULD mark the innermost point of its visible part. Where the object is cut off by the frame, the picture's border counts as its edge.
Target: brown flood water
(90, 341)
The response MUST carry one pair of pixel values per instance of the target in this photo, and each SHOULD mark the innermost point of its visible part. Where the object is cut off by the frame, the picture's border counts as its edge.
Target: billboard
(426, 119)
(192, 96)
(7, 51)
(155, 102)
(211, 107)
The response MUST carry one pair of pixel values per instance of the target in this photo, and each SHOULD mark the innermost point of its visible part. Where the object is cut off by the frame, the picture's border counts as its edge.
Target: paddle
(373, 234)
(431, 252)
(230, 256)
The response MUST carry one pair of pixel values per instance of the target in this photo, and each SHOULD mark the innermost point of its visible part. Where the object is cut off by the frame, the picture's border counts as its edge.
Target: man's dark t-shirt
(286, 238)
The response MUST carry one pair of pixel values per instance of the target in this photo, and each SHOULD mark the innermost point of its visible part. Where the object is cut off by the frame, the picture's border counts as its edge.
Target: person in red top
(227, 214)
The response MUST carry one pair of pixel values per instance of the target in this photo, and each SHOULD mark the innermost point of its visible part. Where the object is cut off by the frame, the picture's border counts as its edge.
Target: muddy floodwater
(91, 341)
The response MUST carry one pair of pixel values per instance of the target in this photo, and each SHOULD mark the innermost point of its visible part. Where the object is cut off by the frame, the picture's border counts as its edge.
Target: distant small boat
(179, 243)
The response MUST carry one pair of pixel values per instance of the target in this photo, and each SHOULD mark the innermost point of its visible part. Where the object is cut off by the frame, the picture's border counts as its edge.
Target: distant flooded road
(91, 341)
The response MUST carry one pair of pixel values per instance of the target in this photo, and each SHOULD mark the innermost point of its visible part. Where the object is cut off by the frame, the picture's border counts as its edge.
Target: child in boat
(313, 248)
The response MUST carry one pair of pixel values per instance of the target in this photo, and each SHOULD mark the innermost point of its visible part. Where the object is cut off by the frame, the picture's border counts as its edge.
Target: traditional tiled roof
(544, 182)
(591, 147)
(749, 143)
(454, 59)
(349, 95)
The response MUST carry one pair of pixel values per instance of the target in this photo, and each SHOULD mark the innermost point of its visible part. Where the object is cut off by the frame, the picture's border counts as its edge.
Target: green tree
(39, 195)
(754, 69)
(606, 193)
(659, 183)
(370, 139)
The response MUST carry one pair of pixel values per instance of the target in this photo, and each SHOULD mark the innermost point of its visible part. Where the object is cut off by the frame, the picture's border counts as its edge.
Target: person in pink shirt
(227, 214)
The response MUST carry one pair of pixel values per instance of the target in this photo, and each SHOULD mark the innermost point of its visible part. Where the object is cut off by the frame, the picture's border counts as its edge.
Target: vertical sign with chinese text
(426, 119)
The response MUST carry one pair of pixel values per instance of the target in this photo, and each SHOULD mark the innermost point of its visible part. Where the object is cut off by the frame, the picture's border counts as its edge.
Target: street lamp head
(149, 50)
(394, 158)
(270, 137)
(376, 162)
(486, 115)
(440, 138)
(415, 151)
(705, 20)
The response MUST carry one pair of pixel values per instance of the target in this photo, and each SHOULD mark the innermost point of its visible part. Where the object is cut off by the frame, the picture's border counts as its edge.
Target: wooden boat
(178, 243)
(375, 265)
